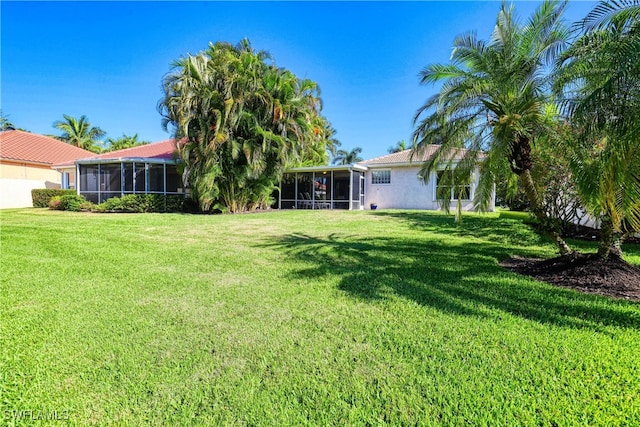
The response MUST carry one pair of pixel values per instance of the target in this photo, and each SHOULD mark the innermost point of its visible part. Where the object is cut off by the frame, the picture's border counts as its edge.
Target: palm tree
(400, 146)
(599, 81)
(494, 102)
(80, 133)
(344, 157)
(125, 141)
(241, 121)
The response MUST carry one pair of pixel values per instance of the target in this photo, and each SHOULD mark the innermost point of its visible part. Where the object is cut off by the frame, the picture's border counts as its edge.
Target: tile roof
(33, 148)
(404, 157)
(156, 150)
(162, 150)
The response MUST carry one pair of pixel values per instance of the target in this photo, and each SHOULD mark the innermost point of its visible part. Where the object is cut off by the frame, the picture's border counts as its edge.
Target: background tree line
(80, 133)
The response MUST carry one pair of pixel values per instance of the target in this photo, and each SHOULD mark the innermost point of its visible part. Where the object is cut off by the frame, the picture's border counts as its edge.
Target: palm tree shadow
(452, 279)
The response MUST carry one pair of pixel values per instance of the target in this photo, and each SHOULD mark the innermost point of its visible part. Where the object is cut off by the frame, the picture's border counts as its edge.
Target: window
(381, 177)
(448, 184)
(156, 178)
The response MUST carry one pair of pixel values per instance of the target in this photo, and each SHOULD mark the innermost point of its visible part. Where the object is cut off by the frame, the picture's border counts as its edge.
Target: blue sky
(106, 59)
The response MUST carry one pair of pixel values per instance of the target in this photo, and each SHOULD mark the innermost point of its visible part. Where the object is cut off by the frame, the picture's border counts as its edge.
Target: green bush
(143, 203)
(73, 202)
(54, 202)
(69, 202)
(42, 196)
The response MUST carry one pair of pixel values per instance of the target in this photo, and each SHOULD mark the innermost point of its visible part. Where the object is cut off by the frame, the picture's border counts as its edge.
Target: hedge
(42, 196)
(143, 203)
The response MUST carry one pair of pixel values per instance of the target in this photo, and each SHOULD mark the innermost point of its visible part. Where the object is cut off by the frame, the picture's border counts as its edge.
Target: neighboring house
(145, 169)
(390, 181)
(25, 164)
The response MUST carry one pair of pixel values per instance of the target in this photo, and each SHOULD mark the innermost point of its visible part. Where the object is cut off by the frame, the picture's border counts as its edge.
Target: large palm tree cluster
(240, 121)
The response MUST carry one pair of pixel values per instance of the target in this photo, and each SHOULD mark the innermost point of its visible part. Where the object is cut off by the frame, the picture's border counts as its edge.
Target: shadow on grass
(462, 279)
(503, 229)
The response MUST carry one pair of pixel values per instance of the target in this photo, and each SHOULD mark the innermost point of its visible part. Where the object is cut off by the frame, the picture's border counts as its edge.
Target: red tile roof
(33, 148)
(156, 150)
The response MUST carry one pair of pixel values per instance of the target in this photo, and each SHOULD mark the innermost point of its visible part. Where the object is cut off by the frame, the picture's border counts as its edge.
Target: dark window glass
(174, 180)
(110, 178)
(320, 186)
(92, 197)
(340, 185)
(289, 186)
(355, 188)
(128, 177)
(305, 186)
(156, 178)
(141, 186)
(88, 178)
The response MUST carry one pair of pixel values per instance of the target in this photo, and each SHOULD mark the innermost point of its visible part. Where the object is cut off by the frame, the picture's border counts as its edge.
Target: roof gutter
(327, 168)
(126, 160)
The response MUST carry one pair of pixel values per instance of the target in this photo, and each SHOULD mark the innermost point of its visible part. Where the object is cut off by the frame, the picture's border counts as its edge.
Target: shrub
(54, 202)
(72, 202)
(143, 203)
(69, 202)
(42, 196)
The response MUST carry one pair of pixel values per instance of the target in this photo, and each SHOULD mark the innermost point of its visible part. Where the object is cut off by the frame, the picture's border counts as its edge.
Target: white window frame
(379, 181)
(453, 187)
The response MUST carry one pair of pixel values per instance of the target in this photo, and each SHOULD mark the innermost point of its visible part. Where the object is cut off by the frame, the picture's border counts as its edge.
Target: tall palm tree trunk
(547, 224)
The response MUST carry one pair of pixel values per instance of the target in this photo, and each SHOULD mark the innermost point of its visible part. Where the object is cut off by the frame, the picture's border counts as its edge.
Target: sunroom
(102, 179)
(323, 187)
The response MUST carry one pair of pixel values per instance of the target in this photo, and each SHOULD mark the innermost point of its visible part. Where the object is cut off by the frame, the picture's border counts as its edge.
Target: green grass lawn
(302, 318)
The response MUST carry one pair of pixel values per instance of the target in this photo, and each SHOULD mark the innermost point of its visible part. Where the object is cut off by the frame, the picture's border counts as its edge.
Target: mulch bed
(583, 272)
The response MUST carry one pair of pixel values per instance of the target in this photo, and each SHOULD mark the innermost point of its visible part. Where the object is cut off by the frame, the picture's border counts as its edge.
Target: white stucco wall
(407, 191)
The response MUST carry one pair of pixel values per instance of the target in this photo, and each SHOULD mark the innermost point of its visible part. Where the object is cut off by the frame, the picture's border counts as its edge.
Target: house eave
(394, 165)
(24, 162)
(327, 168)
(127, 160)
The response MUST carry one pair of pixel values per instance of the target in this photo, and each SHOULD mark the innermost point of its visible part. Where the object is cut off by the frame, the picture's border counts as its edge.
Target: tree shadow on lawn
(502, 229)
(458, 279)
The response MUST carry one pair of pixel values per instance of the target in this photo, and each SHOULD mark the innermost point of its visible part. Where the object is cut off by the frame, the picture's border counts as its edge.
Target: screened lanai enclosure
(101, 180)
(324, 187)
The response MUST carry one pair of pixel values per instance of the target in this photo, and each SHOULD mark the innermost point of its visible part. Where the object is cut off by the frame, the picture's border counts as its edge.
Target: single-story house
(391, 181)
(25, 164)
(144, 169)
